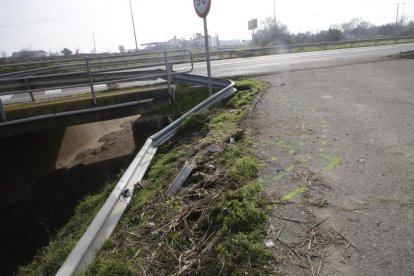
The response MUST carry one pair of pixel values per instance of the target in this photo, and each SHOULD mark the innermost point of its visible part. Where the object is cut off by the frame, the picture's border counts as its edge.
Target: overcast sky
(51, 25)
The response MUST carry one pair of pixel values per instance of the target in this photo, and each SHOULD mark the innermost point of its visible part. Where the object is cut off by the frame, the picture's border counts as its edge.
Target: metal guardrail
(332, 43)
(108, 70)
(74, 112)
(30, 81)
(109, 215)
(100, 59)
(248, 52)
(157, 56)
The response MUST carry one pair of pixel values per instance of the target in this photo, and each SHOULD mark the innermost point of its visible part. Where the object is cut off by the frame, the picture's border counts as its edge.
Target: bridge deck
(79, 109)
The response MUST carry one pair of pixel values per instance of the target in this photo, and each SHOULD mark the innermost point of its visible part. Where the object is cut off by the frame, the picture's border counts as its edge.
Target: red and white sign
(202, 7)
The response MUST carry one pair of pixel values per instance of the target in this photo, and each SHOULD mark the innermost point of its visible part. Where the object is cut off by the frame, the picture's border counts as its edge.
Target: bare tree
(357, 27)
(121, 49)
(272, 33)
(66, 52)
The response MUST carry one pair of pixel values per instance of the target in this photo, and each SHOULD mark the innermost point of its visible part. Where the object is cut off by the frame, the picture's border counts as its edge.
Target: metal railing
(152, 57)
(324, 45)
(109, 215)
(91, 72)
(78, 72)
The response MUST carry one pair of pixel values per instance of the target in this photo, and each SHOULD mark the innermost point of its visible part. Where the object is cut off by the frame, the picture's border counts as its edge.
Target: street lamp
(402, 17)
(402, 14)
(396, 20)
(94, 44)
(133, 26)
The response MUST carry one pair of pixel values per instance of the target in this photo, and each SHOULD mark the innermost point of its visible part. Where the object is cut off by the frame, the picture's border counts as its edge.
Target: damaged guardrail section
(108, 216)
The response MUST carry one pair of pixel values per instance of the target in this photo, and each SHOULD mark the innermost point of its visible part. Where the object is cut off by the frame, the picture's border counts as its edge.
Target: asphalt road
(263, 65)
(254, 66)
(337, 142)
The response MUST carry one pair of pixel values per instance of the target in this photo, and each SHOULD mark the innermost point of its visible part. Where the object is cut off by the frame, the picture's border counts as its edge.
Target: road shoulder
(315, 135)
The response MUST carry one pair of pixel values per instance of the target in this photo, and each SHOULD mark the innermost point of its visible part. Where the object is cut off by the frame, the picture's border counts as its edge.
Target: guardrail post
(26, 82)
(90, 80)
(2, 112)
(169, 69)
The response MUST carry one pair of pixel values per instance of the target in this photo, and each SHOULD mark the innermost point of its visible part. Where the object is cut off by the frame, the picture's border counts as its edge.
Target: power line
(49, 19)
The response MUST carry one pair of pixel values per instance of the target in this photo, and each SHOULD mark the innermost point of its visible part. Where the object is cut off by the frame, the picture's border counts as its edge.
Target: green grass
(12, 69)
(186, 98)
(342, 46)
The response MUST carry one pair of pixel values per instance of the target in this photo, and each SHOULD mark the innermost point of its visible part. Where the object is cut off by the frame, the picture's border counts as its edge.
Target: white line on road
(53, 91)
(291, 56)
(6, 97)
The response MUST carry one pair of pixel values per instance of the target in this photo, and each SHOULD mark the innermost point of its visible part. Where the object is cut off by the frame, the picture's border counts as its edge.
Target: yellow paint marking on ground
(283, 145)
(290, 196)
(334, 161)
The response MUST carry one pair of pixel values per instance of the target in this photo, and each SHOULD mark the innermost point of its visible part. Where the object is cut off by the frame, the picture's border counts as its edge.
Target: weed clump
(245, 167)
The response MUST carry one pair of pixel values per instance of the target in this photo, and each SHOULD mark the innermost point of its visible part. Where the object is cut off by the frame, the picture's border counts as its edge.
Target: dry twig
(319, 223)
(310, 264)
(320, 264)
(345, 238)
(292, 220)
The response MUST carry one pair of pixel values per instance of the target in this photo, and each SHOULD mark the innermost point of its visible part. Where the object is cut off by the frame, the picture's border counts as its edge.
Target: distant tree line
(272, 33)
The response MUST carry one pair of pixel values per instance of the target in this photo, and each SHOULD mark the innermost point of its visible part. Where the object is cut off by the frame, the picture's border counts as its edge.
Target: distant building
(175, 43)
(156, 46)
(29, 54)
(199, 40)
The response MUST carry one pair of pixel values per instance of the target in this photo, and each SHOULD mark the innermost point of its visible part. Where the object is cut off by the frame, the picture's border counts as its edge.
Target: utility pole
(274, 11)
(396, 20)
(133, 26)
(402, 15)
(94, 44)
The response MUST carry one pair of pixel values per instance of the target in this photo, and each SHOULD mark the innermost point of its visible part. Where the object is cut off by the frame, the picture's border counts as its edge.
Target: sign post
(202, 8)
(252, 26)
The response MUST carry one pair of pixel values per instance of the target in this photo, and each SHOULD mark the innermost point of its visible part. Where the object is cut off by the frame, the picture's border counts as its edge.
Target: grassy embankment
(342, 46)
(215, 224)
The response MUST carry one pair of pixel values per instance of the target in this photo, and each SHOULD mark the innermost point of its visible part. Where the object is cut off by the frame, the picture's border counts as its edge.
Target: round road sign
(202, 7)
